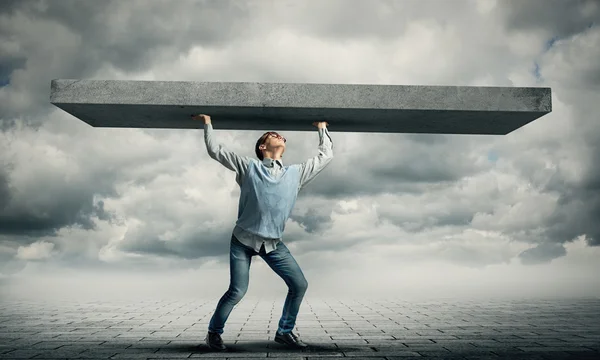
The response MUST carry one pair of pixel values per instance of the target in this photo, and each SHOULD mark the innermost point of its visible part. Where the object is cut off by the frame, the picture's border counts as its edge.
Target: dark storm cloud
(189, 244)
(578, 214)
(45, 211)
(542, 253)
(130, 45)
(560, 18)
(590, 193)
(8, 6)
(5, 191)
(313, 219)
(454, 217)
(403, 164)
(90, 34)
(42, 206)
(9, 64)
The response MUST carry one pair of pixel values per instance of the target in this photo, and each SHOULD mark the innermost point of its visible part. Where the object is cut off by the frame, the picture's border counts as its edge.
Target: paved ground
(357, 329)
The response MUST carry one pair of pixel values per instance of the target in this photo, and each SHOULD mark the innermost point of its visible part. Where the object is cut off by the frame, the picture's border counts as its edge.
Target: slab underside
(294, 107)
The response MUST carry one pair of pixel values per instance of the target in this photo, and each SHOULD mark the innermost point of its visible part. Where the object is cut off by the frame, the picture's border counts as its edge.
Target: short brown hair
(259, 142)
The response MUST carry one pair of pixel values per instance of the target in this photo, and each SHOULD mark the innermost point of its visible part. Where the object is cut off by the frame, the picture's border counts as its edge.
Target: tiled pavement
(357, 329)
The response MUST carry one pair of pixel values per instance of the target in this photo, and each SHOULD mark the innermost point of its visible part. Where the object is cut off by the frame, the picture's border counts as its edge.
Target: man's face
(273, 141)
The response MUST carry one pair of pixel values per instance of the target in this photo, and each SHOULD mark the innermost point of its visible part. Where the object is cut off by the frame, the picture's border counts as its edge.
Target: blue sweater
(265, 202)
(240, 164)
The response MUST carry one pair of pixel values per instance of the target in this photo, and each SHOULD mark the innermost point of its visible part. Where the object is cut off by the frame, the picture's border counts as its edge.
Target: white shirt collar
(270, 162)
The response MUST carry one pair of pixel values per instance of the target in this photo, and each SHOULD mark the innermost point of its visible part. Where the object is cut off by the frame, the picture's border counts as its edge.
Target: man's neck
(273, 156)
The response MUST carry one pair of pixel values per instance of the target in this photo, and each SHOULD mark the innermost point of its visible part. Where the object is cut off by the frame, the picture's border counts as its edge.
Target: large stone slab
(293, 107)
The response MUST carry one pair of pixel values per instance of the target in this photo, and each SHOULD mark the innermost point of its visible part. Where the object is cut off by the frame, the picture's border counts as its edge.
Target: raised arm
(312, 167)
(227, 158)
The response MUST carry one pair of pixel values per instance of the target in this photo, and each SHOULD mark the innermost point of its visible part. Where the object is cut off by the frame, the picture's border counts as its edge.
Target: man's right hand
(321, 124)
(202, 117)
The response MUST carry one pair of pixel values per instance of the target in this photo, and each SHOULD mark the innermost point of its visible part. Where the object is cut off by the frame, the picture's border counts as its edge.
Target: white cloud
(39, 250)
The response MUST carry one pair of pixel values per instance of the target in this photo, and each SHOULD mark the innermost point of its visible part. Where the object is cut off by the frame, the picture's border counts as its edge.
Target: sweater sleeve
(312, 167)
(227, 158)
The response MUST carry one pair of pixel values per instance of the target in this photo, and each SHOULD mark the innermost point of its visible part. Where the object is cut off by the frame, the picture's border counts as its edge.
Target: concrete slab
(293, 107)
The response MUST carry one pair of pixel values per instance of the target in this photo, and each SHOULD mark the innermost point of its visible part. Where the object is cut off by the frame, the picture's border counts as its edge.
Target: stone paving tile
(334, 328)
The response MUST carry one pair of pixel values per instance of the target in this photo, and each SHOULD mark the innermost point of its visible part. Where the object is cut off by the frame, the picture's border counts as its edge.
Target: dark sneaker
(214, 341)
(290, 339)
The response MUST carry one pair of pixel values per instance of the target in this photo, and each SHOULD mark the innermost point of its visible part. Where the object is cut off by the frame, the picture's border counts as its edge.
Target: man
(268, 194)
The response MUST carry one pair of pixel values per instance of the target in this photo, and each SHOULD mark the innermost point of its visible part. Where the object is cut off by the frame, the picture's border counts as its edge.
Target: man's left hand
(320, 124)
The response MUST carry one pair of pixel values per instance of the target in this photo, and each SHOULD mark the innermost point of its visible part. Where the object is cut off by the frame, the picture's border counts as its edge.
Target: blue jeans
(282, 262)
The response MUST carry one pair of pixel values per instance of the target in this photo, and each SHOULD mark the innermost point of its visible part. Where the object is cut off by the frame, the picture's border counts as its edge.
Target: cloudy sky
(124, 212)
